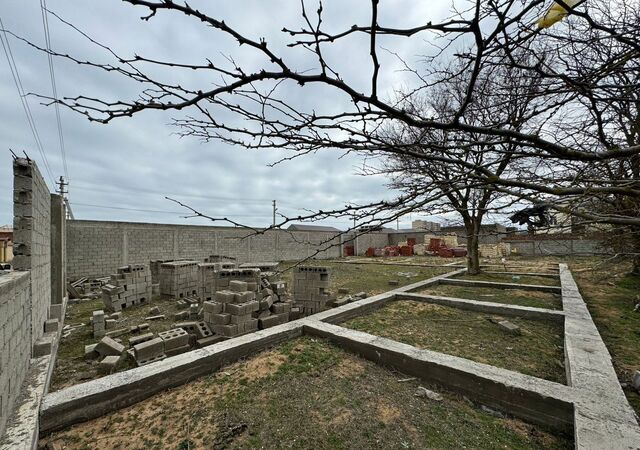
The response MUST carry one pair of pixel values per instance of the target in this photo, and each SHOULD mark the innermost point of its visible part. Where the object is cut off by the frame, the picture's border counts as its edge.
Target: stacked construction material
(230, 314)
(228, 260)
(208, 279)
(311, 288)
(217, 278)
(130, 286)
(179, 278)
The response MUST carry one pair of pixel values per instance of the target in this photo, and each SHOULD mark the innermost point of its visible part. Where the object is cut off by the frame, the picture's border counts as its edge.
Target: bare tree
(565, 142)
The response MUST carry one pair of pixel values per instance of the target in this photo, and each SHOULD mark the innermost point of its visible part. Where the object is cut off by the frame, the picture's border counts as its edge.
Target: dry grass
(303, 394)
(538, 351)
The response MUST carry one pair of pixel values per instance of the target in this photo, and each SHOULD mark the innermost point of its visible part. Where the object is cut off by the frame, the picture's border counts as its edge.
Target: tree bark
(473, 254)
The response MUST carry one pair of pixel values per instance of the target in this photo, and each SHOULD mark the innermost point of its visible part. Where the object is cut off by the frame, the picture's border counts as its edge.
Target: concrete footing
(592, 406)
(491, 284)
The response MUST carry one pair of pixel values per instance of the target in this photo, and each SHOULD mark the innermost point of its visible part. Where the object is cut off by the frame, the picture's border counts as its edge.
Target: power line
(54, 88)
(23, 100)
(161, 211)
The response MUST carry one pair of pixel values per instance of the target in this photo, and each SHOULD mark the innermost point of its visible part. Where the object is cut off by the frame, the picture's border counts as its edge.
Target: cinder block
(148, 350)
(174, 338)
(43, 346)
(55, 312)
(135, 340)
(51, 326)
(238, 286)
(109, 364)
(213, 307)
(108, 347)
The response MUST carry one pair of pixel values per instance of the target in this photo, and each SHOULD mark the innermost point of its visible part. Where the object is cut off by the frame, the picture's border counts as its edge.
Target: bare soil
(304, 394)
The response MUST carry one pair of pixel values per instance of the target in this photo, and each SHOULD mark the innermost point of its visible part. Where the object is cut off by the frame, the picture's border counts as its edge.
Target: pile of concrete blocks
(228, 260)
(231, 312)
(311, 288)
(179, 278)
(129, 287)
(216, 278)
(208, 279)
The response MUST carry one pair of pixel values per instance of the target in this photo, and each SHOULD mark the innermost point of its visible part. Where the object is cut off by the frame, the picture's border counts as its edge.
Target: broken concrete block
(158, 317)
(143, 326)
(154, 311)
(424, 392)
(181, 304)
(118, 332)
(109, 364)
(135, 340)
(394, 283)
(343, 291)
(181, 315)
(115, 316)
(43, 345)
(90, 352)
(107, 347)
(361, 295)
(510, 327)
(51, 326)
(110, 323)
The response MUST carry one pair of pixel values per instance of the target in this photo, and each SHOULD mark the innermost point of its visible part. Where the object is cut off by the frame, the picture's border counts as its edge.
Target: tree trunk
(473, 254)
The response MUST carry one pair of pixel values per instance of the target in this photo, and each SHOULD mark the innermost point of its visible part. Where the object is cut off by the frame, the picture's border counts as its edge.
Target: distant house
(6, 244)
(317, 228)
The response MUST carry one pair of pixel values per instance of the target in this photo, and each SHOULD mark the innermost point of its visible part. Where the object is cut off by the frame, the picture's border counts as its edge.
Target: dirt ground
(537, 351)
(304, 394)
(71, 368)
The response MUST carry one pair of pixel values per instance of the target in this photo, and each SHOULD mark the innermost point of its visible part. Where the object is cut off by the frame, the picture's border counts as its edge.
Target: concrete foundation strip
(486, 307)
(593, 406)
(533, 399)
(491, 284)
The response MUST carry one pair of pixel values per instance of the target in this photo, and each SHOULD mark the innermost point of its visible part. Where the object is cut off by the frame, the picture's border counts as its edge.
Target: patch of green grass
(509, 278)
(319, 397)
(372, 278)
(520, 297)
(537, 351)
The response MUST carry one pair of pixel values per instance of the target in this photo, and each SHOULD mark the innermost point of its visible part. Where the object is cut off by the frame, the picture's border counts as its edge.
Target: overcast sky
(133, 163)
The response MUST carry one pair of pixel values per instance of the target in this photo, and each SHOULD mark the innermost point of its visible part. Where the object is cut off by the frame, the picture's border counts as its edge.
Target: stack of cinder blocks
(231, 314)
(208, 278)
(310, 288)
(179, 278)
(221, 259)
(130, 286)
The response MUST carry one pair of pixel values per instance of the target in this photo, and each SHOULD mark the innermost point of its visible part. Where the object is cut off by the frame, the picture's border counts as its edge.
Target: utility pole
(62, 185)
(274, 213)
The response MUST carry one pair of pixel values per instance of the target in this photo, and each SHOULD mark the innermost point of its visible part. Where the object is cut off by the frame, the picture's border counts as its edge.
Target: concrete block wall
(15, 338)
(97, 248)
(32, 237)
(25, 293)
(557, 247)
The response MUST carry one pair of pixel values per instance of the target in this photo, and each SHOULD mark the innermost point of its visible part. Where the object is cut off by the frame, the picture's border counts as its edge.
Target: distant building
(6, 244)
(425, 225)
